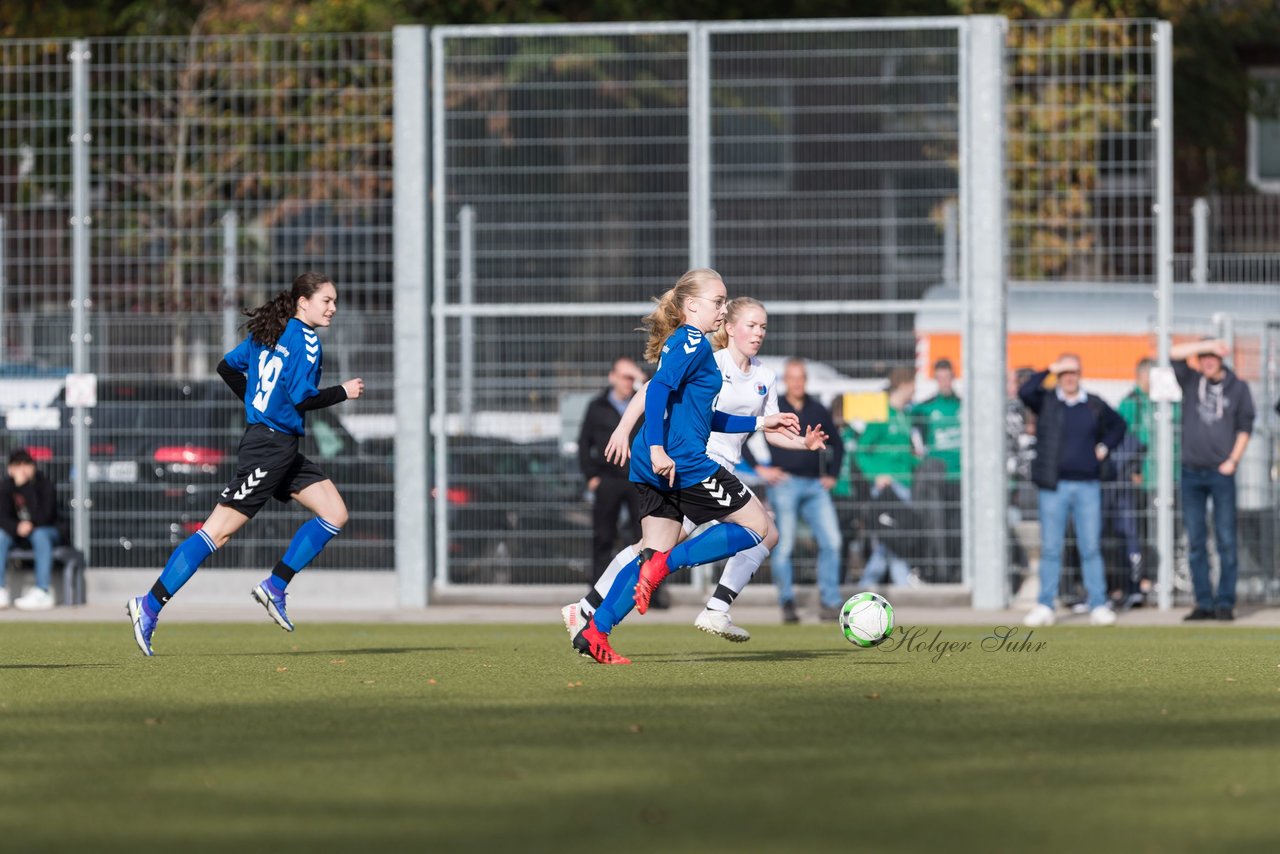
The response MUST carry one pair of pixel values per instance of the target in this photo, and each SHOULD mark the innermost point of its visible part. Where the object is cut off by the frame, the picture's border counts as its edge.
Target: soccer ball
(866, 619)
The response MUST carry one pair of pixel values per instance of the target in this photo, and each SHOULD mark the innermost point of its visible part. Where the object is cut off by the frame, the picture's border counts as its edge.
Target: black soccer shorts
(268, 465)
(711, 500)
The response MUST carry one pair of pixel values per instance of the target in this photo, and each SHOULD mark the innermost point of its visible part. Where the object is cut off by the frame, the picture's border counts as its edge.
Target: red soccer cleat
(594, 643)
(652, 571)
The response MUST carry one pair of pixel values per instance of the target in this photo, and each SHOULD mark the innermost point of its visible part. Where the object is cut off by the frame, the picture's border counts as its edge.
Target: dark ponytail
(267, 321)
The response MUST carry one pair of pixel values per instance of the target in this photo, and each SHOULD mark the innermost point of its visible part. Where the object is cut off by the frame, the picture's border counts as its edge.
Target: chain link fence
(218, 169)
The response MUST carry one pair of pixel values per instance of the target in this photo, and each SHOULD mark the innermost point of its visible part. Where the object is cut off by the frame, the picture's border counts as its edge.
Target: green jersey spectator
(1138, 411)
(938, 420)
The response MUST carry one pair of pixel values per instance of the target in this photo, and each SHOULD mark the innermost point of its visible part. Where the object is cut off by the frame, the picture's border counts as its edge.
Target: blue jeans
(882, 558)
(791, 499)
(1198, 486)
(1081, 501)
(42, 542)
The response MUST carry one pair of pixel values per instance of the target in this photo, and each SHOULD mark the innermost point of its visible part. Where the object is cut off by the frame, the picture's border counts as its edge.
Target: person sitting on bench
(28, 511)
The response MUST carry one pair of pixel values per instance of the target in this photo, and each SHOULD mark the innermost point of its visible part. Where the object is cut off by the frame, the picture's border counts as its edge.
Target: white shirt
(753, 393)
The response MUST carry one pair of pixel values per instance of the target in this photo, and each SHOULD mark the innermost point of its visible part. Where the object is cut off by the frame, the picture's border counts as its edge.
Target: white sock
(737, 573)
(620, 560)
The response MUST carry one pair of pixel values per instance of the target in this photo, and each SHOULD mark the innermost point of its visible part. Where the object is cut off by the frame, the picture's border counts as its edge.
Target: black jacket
(36, 501)
(809, 463)
(598, 424)
(1109, 428)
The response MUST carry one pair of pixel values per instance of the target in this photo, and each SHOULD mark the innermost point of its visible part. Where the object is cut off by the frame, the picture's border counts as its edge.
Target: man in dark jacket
(800, 485)
(608, 483)
(1075, 432)
(28, 515)
(1217, 421)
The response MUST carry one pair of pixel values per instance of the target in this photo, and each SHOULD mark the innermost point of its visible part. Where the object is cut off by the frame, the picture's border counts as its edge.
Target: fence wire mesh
(220, 168)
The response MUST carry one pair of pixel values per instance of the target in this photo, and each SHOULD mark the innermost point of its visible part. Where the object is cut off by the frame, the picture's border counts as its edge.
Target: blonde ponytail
(668, 314)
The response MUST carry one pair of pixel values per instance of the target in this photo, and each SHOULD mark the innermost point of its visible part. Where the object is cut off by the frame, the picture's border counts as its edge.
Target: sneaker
(594, 643)
(1137, 599)
(275, 605)
(573, 619)
(789, 614)
(719, 623)
(34, 599)
(143, 626)
(4, 598)
(652, 572)
(1102, 616)
(1223, 614)
(1040, 615)
(1198, 613)
(828, 613)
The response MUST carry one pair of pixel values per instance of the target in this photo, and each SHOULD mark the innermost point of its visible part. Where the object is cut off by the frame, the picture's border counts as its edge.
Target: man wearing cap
(1217, 420)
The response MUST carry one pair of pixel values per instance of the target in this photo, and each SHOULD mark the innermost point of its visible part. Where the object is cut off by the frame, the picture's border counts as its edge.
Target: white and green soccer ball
(866, 619)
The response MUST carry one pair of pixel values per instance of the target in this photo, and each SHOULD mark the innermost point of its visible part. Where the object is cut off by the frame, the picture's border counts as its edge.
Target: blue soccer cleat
(143, 624)
(275, 605)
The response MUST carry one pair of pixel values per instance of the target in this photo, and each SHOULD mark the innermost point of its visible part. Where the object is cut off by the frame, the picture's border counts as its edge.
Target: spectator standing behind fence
(1217, 420)
(938, 421)
(28, 512)
(886, 455)
(1134, 497)
(1075, 432)
(608, 484)
(805, 490)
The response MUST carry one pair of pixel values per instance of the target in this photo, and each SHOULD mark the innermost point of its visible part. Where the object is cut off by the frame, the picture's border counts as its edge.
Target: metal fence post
(80, 222)
(982, 234)
(230, 224)
(467, 323)
(1200, 242)
(411, 220)
(1164, 308)
(699, 147)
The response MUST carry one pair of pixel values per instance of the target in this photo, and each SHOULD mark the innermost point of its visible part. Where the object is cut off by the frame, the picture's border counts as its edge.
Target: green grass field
(493, 737)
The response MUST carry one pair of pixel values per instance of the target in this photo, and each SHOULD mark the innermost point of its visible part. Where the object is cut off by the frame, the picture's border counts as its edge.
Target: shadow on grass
(359, 651)
(51, 666)
(776, 655)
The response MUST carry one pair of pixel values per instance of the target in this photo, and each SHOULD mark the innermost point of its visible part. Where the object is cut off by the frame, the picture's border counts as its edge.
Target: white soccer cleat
(1102, 616)
(34, 599)
(574, 622)
(719, 623)
(1040, 615)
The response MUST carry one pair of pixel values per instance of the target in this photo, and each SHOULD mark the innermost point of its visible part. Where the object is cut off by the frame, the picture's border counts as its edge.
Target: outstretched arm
(618, 451)
(332, 395)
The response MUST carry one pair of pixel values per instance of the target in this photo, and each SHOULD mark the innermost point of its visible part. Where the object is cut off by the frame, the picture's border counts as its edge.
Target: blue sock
(311, 538)
(620, 599)
(715, 543)
(182, 564)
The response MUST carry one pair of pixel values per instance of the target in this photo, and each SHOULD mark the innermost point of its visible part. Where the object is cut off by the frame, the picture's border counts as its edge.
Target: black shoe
(661, 599)
(1224, 614)
(828, 614)
(1198, 613)
(789, 614)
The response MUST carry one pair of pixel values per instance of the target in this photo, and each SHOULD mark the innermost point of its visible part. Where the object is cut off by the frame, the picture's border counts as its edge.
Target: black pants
(611, 495)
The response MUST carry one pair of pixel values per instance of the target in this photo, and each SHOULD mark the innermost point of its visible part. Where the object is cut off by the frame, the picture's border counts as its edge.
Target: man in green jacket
(937, 481)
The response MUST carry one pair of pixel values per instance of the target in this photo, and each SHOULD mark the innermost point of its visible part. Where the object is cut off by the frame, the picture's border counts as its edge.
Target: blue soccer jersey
(688, 367)
(280, 378)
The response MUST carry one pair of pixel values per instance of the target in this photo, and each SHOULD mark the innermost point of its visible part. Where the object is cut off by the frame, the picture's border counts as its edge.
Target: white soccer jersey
(754, 393)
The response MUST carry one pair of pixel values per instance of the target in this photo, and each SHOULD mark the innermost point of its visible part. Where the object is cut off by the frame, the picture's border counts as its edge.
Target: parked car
(160, 453)
(516, 513)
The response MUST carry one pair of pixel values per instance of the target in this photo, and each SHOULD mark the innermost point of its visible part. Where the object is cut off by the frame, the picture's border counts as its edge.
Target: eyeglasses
(718, 302)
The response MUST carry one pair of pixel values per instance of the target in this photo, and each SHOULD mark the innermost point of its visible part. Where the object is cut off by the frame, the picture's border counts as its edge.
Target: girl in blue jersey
(276, 372)
(749, 388)
(669, 462)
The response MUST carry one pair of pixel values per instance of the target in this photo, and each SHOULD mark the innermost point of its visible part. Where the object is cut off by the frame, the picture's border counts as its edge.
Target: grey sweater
(1212, 415)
